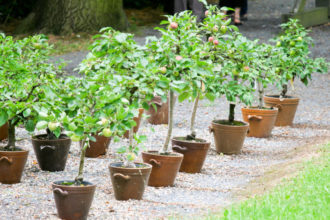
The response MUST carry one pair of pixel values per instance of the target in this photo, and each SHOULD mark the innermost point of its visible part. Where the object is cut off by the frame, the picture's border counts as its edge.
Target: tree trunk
(170, 123)
(72, 16)
(11, 135)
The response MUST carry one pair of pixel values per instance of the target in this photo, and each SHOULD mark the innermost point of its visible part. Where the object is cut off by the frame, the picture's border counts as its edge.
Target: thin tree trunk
(80, 176)
(284, 91)
(170, 123)
(231, 117)
(11, 135)
(261, 94)
(130, 135)
(192, 135)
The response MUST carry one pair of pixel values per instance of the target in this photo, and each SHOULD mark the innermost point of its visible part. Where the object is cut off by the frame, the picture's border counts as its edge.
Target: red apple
(206, 13)
(246, 68)
(215, 42)
(174, 25)
(178, 58)
(211, 39)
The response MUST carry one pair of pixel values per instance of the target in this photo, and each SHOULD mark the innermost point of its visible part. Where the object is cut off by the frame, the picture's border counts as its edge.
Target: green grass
(306, 196)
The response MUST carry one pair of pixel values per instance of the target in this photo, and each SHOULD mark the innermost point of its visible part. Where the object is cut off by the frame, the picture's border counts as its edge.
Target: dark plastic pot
(229, 139)
(261, 121)
(129, 183)
(99, 147)
(287, 108)
(164, 167)
(73, 202)
(51, 154)
(12, 165)
(4, 131)
(194, 153)
(159, 116)
(137, 121)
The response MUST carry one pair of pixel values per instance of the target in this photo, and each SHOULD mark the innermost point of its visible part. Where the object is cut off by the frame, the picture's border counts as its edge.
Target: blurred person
(235, 4)
(194, 5)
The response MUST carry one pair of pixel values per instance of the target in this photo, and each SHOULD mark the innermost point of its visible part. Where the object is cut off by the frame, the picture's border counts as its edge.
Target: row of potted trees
(120, 78)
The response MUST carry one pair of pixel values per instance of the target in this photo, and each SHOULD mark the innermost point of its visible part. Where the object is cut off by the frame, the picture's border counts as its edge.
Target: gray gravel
(222, 175)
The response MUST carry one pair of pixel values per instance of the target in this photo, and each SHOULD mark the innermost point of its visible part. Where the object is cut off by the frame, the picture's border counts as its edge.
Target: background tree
(67, 16)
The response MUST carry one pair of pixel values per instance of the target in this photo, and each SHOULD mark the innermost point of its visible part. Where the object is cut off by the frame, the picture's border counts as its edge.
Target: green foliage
(304, 197)
(293, 56)
(27, 79)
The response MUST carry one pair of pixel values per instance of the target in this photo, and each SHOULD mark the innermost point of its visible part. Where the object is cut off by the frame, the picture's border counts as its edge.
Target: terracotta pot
(73, 202)
(194, 153)
(261, 121)
(12, 165)
(137, 121)
(4, 132)
(164, 167)
(159, 116)
(229, 139)
(51, 154)
(129, 183)
(99, 147)
(287, 108)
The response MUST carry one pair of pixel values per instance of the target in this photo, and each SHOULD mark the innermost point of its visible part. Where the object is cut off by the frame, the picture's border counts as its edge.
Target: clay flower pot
(229, 139)
(137, 121)
(51, 154)
(129, 183)
(99, 147)
(159, 116)
(287, 108)
(261, 121)
(164, 167)
(194, 153)
(73, 202)
(12, 165)
(4, 132)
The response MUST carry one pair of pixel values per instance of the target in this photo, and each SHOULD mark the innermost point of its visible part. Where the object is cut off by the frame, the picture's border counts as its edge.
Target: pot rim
(255, 108)
(12, 152)
(90, 185)
(194, 142)
(147, 166)
(245, 123)
(278, 96)
(154, 152)
(34, 138)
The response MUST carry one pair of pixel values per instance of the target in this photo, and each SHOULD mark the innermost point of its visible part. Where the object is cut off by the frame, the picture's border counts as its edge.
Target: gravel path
(221, 177)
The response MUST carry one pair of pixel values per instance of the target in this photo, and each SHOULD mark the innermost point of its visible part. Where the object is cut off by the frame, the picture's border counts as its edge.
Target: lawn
(303, 197)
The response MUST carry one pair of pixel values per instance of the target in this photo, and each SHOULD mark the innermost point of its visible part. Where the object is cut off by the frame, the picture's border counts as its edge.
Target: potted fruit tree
(293, 62)
(92, 108)
(262, 73)
(136, 85)
(25, 76)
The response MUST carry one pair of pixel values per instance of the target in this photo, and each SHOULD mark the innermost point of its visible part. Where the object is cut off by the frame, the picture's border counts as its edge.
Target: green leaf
(183, 96)
(3, 117)
(27, 112)
(30, 125)
(42, 125)
(210, 96)
(121, 150)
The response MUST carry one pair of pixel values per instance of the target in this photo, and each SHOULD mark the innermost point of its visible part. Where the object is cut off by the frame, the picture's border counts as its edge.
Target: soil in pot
(194, 153)
(99, 147)
(137, 121)
(51, 154)
(159, 116)
(164, 167)
(261, 121)
(229, 137)
(73, 201)
(287, 108)
(12, 165)
(129, 183)
(4, 132)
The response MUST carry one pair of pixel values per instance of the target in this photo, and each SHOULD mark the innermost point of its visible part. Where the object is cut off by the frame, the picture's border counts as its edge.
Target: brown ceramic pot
(73, 202)
(137, 121)
(194, 153)
(229, 139)
(164, 167)
(99, 147)
(287, 108)
(159, 116)
(12, 165)
(129, 183)
(4, 132)
(261, 121)
(51, 154)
